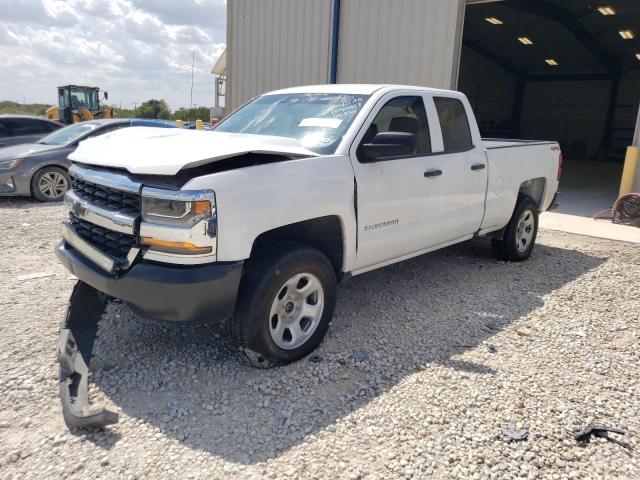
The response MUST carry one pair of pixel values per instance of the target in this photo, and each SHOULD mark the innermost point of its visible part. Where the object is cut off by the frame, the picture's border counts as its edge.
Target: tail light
(560, 162)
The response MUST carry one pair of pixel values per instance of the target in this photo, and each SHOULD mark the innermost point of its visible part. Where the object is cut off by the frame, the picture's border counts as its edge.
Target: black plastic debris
(511, 434)
(602, 431)
(491, 348)
(315, 359)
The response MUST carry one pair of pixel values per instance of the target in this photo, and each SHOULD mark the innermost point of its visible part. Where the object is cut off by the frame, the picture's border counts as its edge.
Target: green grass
(22, 108)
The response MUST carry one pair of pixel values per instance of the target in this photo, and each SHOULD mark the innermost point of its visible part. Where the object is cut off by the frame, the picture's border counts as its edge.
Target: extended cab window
(456, 133)
(406, 115)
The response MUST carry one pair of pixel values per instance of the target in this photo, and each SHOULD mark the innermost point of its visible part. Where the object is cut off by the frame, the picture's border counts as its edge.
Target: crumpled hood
(160, 151)
(24, 150)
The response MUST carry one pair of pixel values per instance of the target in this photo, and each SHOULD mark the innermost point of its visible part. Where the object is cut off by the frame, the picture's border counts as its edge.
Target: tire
(49, 184)
(519, 234)
(277, 285)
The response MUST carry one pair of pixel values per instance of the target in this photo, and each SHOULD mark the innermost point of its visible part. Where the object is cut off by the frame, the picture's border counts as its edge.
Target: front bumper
(14, 182)
(186, 293)
(74, 349)
(204, 293)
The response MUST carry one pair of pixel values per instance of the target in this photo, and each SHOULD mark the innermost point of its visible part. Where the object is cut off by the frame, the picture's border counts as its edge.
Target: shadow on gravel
(398, 320)
(11, 203)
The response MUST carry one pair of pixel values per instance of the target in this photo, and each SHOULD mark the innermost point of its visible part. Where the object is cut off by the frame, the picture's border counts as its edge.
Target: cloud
(205, 13)
(135, 49)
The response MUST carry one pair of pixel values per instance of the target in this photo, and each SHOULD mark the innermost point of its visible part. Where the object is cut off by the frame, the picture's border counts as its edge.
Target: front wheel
(286, 302)
(520, 233)
(49, 184)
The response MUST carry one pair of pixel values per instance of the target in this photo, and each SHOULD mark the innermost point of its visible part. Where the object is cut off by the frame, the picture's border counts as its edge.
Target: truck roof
(354, 88)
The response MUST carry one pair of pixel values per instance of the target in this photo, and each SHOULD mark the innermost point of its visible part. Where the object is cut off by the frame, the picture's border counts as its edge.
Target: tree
(123, 112)
(191, 114)
(154, 109)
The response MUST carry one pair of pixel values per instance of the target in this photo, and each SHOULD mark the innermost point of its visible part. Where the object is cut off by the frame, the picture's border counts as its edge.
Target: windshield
(69, 134)
(78, 97)
(317, 120)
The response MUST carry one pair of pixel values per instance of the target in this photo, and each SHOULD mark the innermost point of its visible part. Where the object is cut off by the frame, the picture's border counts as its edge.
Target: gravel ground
(424, 363)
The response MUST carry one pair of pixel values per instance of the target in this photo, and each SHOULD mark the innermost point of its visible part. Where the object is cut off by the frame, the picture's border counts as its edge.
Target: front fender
(254, 200)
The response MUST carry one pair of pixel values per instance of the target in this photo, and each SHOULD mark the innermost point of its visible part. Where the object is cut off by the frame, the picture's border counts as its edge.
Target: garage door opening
(566, 70)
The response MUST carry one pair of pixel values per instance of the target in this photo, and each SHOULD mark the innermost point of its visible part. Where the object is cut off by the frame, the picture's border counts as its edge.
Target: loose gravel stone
(456, 345)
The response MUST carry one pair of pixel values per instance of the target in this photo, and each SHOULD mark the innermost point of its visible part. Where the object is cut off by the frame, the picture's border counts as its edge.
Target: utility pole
(193, 60)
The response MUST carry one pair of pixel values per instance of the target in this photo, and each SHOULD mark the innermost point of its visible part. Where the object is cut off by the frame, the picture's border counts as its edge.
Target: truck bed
(516, 164)
(494, 143)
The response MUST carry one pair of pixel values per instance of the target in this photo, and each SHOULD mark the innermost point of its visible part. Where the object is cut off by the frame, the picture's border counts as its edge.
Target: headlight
(9, 164)
(178, 213)
(178, 222)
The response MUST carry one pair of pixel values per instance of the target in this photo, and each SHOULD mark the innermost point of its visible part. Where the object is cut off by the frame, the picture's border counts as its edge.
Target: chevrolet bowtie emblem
(78, 209)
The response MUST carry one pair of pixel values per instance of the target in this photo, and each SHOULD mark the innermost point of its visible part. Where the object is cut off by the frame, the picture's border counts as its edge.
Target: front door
(392, 192)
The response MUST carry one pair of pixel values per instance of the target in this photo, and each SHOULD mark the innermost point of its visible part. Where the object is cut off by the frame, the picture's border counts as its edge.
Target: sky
(133, 49)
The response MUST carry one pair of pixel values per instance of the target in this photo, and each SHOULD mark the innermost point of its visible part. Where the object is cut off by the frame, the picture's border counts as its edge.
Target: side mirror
(389, 144)
(106, 95)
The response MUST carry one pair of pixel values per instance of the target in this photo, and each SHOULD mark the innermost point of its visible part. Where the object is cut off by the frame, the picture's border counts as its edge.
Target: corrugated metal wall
(276, 44)
(411, 42)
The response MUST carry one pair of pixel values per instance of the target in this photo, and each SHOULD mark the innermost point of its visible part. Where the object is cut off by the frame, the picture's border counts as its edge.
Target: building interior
(566, 70)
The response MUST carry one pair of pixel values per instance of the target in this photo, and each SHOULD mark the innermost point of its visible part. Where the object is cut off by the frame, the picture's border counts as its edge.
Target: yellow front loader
(78, 104)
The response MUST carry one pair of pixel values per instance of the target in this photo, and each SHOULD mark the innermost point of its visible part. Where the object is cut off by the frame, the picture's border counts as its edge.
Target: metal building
(278, 43)
(566, 70)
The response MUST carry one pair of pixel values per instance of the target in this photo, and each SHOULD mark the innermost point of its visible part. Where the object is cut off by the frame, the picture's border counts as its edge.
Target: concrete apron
(563, 222)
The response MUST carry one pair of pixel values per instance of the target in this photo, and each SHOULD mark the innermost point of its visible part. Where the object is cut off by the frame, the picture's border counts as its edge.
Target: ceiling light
(638, 56)
(607, 10)
(627, 34)
(494, 21)
(525, 40)
(551, 61)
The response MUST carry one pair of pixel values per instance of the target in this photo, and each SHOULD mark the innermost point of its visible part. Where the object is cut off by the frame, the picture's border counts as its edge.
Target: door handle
(433, 173)
(478, 166)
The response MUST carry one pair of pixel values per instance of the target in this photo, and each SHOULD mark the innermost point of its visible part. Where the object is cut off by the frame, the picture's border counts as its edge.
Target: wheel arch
(326, 234)
(50, 163)
(533, 188)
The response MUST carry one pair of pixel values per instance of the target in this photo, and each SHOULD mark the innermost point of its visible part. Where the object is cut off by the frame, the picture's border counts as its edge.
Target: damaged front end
(160, 265)
(75, 345)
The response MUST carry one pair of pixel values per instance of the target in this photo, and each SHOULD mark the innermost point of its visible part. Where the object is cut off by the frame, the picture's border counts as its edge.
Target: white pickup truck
(255, 223)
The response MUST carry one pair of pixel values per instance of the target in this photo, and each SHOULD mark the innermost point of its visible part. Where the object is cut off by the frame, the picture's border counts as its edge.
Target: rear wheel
(520, 234)
(49, 184)
(286, 301)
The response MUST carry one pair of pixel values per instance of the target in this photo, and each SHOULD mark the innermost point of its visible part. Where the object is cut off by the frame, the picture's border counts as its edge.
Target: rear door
(457, 189)
(28, 130)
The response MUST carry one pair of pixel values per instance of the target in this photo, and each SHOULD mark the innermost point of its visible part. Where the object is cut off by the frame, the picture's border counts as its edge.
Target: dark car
(16, 129)
(40, 169)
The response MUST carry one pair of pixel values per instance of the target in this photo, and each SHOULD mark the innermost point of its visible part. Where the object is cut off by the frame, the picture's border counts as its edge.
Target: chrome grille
(114, 244)
(107, 198)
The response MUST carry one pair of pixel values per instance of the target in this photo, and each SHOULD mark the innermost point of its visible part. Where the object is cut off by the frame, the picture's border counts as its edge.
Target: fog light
(10, 183)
